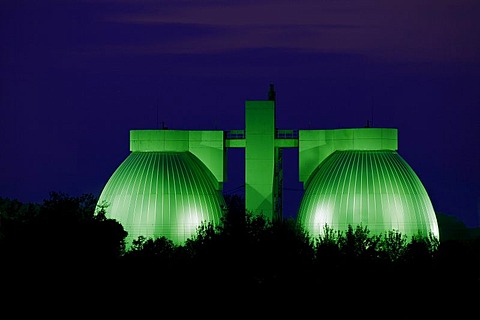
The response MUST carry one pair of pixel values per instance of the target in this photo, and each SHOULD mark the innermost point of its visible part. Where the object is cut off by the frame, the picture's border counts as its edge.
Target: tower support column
(260, 157)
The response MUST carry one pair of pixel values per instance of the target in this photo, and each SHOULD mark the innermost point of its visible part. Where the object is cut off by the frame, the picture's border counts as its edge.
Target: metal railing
(279, 134)
(235, 134)
(286, 134)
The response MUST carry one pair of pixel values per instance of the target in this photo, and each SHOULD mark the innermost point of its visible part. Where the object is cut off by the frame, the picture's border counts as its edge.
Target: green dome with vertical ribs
(374, 189)
(169, 194)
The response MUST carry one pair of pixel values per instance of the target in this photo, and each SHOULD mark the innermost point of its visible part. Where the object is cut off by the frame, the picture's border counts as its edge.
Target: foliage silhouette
(245, 252)
(62, 232)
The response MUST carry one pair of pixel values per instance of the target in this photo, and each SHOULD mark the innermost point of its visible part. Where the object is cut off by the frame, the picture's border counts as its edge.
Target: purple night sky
(77, 75)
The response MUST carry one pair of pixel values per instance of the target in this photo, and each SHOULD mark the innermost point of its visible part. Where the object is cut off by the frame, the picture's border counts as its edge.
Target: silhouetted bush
(63, 233)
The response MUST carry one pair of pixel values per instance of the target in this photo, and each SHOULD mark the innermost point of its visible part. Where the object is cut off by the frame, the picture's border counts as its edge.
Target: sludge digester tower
(172, 181)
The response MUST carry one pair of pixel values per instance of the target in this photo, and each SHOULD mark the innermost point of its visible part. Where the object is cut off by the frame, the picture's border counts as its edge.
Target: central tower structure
(262, 160)
(263, 144)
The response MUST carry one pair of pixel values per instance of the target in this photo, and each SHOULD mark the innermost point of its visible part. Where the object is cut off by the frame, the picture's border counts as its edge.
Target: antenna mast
(157, 115)
(371, 111)
(271, 93)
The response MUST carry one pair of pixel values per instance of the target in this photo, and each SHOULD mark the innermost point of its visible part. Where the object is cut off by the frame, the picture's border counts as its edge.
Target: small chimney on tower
(271, 92)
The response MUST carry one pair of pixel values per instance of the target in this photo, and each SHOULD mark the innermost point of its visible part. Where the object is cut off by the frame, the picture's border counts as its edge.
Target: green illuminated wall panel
(316, 145)
(162, 194)
(208, 146)
(376, 189)
(159, 140)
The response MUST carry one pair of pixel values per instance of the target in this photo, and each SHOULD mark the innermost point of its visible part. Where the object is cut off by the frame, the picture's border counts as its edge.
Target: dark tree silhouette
(63, 235)
(70, 240)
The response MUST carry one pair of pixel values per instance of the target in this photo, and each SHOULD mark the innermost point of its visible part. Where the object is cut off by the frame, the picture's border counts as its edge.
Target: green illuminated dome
(162, 194)
(374, 189)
